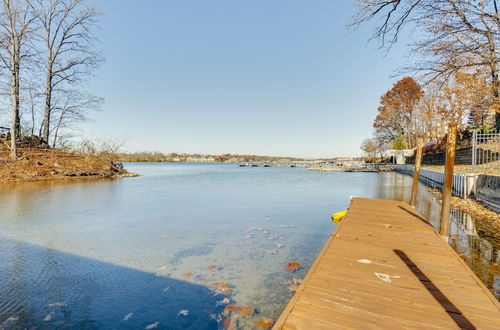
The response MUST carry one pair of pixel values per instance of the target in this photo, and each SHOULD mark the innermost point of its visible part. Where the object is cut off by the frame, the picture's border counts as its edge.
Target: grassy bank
(42, 164)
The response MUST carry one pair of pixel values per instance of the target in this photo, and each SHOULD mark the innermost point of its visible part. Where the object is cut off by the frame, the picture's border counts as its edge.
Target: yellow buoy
(336, 217)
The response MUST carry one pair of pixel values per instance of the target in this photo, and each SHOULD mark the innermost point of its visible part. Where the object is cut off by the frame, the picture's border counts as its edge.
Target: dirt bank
(42, 164)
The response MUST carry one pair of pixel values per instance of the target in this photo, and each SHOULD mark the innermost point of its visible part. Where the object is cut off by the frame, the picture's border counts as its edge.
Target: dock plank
(385, 267)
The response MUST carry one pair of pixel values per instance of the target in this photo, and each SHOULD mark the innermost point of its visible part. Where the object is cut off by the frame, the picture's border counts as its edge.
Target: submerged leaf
(184, 312)
(293, 266)
(241, 310)
(221, 285)
(222, 288)
(263, 324)
(152, 325)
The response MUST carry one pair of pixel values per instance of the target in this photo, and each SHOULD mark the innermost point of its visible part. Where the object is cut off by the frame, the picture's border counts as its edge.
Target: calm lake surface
(144, 252)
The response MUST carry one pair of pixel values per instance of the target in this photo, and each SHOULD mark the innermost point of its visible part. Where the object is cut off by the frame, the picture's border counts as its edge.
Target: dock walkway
(385, 267)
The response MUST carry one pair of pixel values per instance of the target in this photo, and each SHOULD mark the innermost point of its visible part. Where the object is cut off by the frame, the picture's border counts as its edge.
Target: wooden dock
(383, 268)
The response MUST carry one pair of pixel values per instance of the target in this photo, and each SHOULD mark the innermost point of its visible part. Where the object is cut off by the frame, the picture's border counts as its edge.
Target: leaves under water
(263, 324)
(221, 285)
(152, 325)
(222, 288)
(241, 310)
(292, 266)
(294, 284)
(183, 312)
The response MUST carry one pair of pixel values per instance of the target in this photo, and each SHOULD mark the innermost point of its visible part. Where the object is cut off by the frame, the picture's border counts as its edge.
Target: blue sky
(282, 77)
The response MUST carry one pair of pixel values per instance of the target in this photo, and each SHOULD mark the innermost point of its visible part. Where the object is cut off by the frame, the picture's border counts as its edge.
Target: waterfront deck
(385, 267)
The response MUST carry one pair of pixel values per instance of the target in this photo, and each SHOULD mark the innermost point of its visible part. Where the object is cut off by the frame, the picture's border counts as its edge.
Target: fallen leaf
(227, 323)
(188, 274)
(222, 288)
(224, 291)
(246, 310)
(241, 310)
(294, 284)
(152, 325)
(293, 266)
(212, 267)
(221, 284)
(184, 312)
(263, 324)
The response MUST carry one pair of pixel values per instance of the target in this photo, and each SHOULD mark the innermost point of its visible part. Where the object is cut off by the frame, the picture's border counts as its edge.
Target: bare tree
(453, 35)
(69, 108)
(369, 146)
(17, 25)
(67, 31)
(30, 94)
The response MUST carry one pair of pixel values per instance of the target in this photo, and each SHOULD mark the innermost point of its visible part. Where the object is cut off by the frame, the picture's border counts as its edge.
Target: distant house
(346, 162)
(398, 156)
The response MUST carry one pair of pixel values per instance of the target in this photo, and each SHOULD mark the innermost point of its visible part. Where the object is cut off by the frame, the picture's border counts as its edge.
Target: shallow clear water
(133, 252)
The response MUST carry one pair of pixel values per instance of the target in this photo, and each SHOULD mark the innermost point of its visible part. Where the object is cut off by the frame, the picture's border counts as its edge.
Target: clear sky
(281, 77)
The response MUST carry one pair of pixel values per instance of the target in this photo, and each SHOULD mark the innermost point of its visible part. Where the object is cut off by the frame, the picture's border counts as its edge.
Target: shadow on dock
(448, 306)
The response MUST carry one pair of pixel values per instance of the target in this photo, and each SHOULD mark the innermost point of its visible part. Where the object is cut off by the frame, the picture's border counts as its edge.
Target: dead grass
(41, 164)
(492, 168)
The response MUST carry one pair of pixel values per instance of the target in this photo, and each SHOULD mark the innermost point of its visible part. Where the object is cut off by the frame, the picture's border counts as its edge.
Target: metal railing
(485, 151)
(463, 183)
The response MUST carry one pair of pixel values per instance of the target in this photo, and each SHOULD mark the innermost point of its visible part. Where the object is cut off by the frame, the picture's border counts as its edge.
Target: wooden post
(448, 180)
(416, 172)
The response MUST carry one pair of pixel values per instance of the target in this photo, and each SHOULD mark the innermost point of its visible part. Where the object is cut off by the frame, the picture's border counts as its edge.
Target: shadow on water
(47, 289)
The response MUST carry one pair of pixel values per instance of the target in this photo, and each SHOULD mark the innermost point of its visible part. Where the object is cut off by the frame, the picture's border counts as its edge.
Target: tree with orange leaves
(396, 111)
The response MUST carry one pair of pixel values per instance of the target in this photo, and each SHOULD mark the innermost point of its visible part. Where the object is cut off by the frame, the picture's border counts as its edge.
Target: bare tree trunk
(59, 122)
(416, 173)
(14, 132)
(448, 180)
(48, 105)
(496, 92)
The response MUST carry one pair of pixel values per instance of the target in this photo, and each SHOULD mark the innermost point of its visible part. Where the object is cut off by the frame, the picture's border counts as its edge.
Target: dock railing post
(416, 172)
(448, 180)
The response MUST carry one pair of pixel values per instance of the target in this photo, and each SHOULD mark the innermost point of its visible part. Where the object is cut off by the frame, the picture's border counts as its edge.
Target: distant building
(347, 162)
(398, 156)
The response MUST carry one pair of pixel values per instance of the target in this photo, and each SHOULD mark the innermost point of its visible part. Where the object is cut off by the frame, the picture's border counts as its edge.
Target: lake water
(144, 252)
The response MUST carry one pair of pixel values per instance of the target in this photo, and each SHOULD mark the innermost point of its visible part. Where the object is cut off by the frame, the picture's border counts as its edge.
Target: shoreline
(487, 220)
(44, 164)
